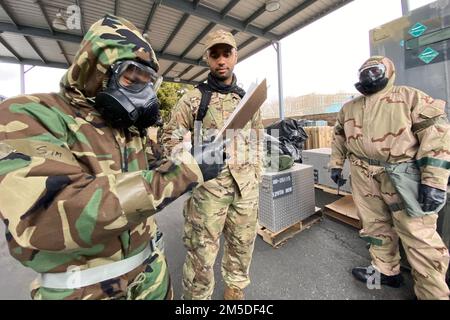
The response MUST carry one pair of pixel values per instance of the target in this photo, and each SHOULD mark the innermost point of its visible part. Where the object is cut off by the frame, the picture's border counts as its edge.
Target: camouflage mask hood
(107, 41)
(390, 68)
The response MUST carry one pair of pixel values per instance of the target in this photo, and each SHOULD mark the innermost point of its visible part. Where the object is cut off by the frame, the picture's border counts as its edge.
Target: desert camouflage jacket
(395, 125)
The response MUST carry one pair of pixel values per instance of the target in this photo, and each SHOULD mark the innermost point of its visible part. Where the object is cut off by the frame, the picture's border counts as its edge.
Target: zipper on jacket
(125, 159)
(366, 129)
(125, 237)
(123, 151)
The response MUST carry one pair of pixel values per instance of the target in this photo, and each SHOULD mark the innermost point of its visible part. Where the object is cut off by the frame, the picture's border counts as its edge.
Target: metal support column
(277, 46)
(22, 79)
(405, 7)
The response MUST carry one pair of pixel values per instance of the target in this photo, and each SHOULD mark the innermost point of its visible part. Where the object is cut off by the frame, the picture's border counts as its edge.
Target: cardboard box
(344, 210)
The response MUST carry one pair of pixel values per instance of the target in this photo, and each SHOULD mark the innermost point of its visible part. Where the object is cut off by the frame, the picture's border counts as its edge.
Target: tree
(168, 94)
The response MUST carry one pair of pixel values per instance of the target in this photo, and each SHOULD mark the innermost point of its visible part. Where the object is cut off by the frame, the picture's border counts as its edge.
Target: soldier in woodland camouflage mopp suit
(76, 192)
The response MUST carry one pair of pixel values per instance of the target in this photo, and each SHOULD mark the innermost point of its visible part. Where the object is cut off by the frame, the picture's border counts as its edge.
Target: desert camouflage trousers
(208, 215)
(150, 281)
(427, 254)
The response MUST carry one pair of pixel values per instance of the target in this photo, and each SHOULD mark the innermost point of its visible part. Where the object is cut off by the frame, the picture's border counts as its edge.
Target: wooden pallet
(344, 210)
(277, 239)
(331, 190)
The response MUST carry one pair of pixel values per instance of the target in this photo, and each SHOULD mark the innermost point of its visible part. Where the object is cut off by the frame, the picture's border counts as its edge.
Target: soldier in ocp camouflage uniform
(392, 126)
(229, 203)
(76, 194)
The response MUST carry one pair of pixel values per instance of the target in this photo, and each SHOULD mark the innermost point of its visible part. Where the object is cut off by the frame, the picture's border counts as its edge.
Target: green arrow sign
(428, 55)
(417, 30)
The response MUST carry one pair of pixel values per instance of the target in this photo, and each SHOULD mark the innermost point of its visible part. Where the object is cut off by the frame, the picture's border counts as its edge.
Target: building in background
(311, 104)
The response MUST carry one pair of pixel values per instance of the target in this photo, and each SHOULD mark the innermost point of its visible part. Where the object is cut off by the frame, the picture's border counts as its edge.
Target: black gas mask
(129, 98)
(372, 79)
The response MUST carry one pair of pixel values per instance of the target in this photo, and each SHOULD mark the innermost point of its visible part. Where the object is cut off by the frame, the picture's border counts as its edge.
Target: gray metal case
(319, 159)
(279, 213)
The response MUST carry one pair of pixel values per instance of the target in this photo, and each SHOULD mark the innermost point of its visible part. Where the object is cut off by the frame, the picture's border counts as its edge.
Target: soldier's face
(221, 60)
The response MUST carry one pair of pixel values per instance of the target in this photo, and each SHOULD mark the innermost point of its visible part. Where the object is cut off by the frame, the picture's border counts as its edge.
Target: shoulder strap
(204, 102)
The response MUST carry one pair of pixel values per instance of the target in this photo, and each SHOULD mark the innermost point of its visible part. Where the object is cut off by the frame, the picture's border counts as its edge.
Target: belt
(76, 278)
(379, 163)
(374, 162)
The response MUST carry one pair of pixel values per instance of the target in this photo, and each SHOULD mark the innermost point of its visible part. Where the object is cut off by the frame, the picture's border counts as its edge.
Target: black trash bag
(292, 137)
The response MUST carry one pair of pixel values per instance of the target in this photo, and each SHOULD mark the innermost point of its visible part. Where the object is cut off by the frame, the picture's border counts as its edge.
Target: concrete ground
(314, 264)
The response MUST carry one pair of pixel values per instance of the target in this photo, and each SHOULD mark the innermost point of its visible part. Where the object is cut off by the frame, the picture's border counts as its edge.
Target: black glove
(210, 158)
(430, 198)
(336, 176)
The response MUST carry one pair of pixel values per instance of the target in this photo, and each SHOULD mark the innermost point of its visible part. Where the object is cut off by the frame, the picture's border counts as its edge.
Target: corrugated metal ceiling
(176, 28)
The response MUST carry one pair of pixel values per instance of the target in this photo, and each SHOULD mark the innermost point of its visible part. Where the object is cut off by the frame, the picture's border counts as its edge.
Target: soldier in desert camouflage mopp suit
(397, 140)
(76, 194)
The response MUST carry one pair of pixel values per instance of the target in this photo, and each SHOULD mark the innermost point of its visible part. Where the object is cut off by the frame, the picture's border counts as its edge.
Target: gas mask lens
(134, 76)
(372, 73)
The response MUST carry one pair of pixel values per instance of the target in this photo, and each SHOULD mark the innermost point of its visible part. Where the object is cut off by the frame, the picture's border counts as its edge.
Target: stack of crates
(318, 137)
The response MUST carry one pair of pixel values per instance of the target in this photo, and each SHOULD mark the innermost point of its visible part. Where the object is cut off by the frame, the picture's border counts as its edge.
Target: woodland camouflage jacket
(73, 190)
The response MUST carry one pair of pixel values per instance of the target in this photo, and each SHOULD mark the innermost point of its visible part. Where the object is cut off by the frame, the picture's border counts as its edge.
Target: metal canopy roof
(176, 28)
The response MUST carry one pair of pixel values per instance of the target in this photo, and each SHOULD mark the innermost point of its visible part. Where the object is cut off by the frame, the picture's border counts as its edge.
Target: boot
(233, 294)
(363, 274)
